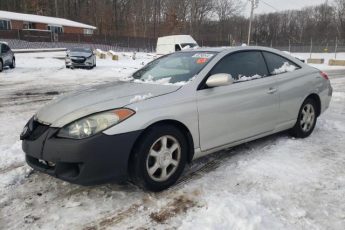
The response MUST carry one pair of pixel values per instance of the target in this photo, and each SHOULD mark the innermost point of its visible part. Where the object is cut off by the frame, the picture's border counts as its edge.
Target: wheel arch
(182, 127)
(315, 97)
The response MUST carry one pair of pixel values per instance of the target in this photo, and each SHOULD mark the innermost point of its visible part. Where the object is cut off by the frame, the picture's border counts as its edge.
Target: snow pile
(138, 98)
(161, 81)
(100, 52)
(113, 53)
(286, 67)
(245, 78)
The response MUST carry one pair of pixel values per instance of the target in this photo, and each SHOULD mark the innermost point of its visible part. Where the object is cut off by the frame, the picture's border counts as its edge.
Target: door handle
(272, 90)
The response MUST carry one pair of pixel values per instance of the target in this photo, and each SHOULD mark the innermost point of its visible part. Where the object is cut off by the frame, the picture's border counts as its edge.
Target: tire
(68, 67)
(13, 65)
(306, 120)
(1, 66)
(150, 159)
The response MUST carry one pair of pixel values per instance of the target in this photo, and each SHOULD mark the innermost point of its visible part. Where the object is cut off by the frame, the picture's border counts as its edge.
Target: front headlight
(93, 124)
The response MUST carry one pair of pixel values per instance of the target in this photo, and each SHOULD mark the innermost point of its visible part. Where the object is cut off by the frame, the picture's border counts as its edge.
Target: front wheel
(13, 65)
(306, 120)
(159, 158)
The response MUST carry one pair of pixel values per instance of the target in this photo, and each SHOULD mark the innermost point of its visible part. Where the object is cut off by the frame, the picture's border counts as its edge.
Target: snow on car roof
(42, 19)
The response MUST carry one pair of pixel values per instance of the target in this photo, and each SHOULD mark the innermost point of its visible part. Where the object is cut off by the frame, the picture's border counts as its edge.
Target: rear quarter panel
(294, 88)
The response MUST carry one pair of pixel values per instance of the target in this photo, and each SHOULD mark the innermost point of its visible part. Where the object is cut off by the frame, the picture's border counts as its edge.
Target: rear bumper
(326, 97)
(95, 160)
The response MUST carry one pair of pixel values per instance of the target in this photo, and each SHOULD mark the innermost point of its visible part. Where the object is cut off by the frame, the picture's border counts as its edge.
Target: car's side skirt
(198, 153)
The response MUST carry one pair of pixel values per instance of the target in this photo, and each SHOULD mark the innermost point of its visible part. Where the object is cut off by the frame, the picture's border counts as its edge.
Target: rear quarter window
(242, 66)
(277, 64)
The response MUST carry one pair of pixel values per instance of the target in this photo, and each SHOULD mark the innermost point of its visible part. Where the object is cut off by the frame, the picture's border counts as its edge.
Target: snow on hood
(161, 81)
(79, 54)
(109, 96)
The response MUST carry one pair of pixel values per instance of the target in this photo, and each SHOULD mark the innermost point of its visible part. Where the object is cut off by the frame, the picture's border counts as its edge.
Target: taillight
(324, 75)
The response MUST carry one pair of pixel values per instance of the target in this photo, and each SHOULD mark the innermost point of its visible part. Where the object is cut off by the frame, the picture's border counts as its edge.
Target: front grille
(78, 60)
(37, 130)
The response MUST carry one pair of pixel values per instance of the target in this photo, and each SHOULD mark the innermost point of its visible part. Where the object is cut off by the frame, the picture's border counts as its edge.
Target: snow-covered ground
(274, 183)
(326, 56)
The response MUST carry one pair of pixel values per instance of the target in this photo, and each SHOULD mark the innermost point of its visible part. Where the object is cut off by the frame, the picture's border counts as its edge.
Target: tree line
(215, 22)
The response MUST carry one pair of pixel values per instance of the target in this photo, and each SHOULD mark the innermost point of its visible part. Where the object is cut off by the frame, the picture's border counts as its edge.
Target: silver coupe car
(177, 108)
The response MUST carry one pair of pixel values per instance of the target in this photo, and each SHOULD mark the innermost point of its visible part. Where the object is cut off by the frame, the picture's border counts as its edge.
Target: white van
(170, 44)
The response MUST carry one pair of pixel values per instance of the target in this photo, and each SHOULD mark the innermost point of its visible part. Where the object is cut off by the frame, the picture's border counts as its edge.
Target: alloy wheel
(163, 158)
(307, 117)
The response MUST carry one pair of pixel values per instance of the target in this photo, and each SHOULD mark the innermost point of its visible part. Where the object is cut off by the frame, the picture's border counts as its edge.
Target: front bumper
(94, 160)
(71, 63)
(85, 64)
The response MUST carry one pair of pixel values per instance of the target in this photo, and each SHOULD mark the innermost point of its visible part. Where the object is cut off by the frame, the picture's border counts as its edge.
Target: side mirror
(220, 79)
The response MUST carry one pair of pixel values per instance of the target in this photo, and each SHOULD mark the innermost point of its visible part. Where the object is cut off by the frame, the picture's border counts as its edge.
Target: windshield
(81, 50)
(176, 68)
(189, 45)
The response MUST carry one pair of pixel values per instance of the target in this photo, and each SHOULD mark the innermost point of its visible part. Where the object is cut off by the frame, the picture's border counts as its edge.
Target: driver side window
(242, 66)
(3, 49)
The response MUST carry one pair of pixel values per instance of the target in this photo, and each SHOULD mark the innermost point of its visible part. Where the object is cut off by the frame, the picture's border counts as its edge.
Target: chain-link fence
(21, 39)
(51, 40)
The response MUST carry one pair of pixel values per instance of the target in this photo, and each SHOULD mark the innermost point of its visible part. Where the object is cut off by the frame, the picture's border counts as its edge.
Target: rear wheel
(306, 119)
(159, 158)
(1, 66)
(13, 65)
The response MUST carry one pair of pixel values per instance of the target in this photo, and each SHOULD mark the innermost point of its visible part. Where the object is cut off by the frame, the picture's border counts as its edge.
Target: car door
(5, 54)
(244, 109)
(292, 84)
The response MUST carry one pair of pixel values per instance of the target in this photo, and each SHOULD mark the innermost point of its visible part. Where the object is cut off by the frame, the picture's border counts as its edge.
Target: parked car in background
(80, 58)
(170, 44)
(177, 108)
(7, 57)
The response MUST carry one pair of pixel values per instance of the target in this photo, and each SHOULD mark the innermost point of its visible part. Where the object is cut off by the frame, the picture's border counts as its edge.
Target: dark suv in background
(6, 57)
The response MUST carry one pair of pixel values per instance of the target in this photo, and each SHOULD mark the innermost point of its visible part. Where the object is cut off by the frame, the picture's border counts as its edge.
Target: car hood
(73, 106)
(80, 54)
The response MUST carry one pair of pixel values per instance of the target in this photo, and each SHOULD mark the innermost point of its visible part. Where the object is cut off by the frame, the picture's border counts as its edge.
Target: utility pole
(154, 19)
(254, 5)
(56, 9)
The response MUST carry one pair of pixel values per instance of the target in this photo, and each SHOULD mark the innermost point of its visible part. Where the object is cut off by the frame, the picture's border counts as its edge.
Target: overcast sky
(281, 5)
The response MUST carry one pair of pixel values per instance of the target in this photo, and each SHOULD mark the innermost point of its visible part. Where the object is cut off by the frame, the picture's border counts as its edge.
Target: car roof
(230, 48)
(205, 49)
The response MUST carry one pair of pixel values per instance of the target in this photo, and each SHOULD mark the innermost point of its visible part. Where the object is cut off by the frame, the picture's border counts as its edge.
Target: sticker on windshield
(203, 55)
(201, 60)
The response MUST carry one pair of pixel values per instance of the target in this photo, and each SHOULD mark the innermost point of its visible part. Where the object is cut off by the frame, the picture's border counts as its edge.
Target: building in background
(19, 21)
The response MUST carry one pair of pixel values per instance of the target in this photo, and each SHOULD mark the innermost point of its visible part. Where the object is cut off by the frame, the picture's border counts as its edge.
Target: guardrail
(38, 50)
